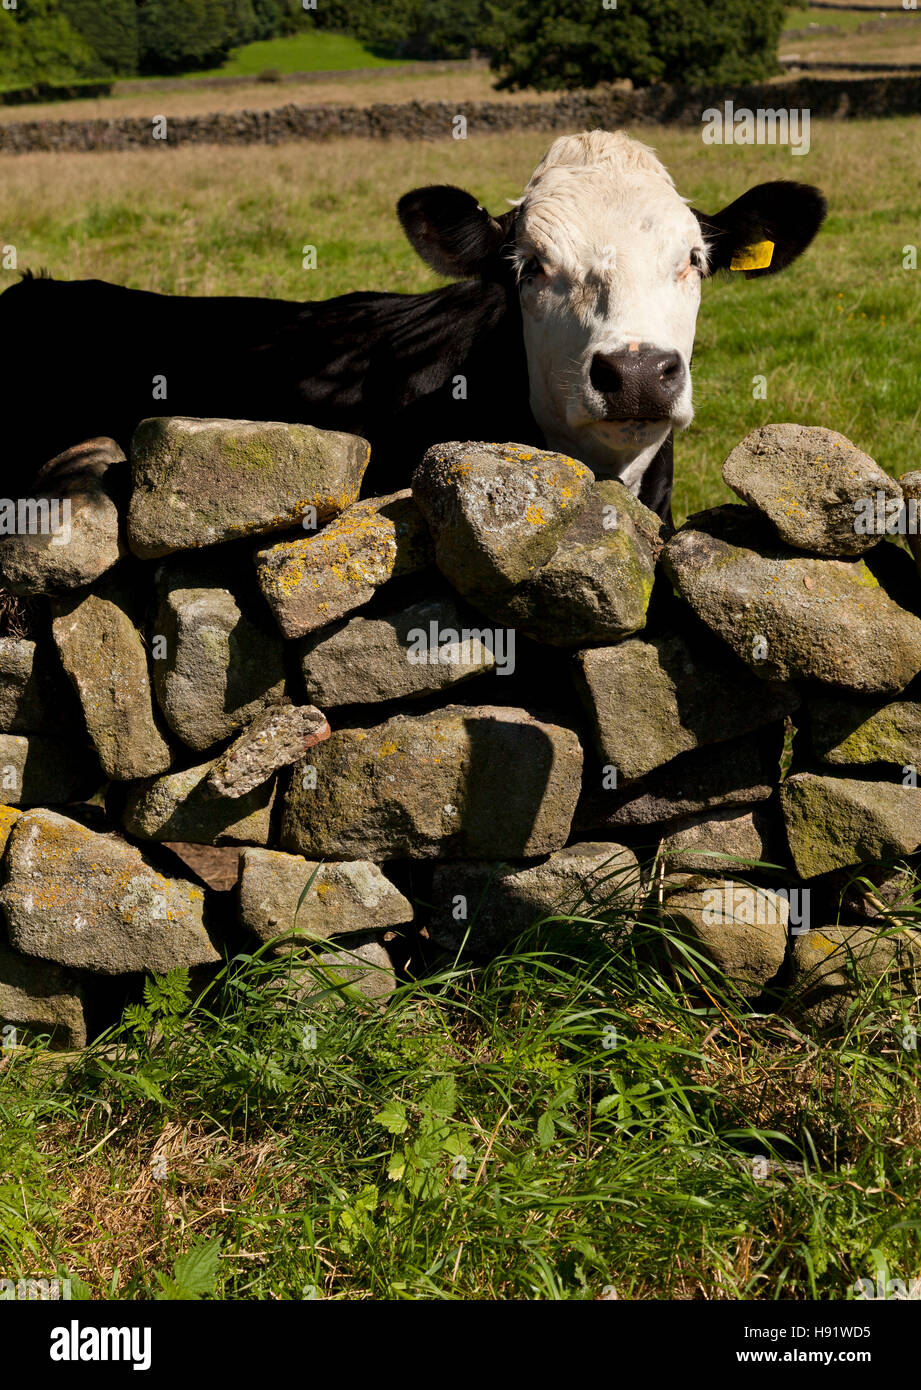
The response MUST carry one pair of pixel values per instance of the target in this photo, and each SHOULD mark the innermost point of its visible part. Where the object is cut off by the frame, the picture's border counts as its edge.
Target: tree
(182, 35)
(110, 30)
(38, 44)
(549, 45)
(410, 28)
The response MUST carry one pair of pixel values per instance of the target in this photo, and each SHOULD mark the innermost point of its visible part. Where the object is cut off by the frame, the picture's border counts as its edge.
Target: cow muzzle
(639, 382)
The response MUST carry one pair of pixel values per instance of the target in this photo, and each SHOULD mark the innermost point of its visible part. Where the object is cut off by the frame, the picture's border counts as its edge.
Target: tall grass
(594, 1114)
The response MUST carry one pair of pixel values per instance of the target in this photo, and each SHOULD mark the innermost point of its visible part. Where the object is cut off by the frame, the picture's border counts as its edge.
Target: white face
(610, 259)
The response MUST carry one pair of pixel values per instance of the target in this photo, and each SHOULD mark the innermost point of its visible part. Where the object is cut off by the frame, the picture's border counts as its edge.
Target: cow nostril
(671, 368)
(604, 375)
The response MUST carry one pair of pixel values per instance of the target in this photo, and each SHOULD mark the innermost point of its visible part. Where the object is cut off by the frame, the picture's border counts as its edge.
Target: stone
(791, 616)
(501, 902)
(102, 648)
(35, 696)
(830, 966)
(37, 771)
(741, 929)
(910, 518)
(277, 737)
(845, 732)
(8, 818)
(198, 482)
(737, 773)
(72, 522)
(398, 655)
(181, 806)
(722, 840)
(597, 585)
(342, 897)
(653, 698)
(36, 998)
(92, 902)
(221, 666)
(351, 967)
(310, 581)
(814, 485)
(833, 822)
(497, 512)
(484, 782)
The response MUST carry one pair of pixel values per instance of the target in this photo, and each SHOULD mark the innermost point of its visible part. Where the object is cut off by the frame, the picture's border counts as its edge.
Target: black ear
(785, 213)
(450, 231)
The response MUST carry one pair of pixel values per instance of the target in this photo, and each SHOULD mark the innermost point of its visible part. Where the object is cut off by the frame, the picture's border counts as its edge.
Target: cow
(569, 324)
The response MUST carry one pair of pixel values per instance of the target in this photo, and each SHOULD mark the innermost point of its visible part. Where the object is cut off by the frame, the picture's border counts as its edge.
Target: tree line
(548, 44)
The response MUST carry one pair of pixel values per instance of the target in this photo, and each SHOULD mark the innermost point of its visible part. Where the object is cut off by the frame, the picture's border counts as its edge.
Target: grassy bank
(590, 1117)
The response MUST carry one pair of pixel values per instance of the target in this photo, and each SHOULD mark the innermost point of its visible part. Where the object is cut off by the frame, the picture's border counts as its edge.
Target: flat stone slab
(198, 482)
(830, 965)
(816, 487)
(310, 581)
(833, 822)
(483, 907)
(216, 665)
(845, 732)
(737, 773)
(497, 512)
(653, 698)
(743, 930)
(276, 902)
(277, 737)
(483, 782)
(791, 616)
(181, 806)
(718, 840)
(92, 902)
(412, 651)
(37, 997)
(99, 639)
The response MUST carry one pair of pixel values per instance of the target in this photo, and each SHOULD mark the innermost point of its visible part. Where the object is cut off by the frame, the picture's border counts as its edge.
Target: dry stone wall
(601, 108)
(503, 694)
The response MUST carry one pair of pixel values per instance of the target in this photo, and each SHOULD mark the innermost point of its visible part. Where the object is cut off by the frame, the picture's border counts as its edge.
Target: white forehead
(590, 191)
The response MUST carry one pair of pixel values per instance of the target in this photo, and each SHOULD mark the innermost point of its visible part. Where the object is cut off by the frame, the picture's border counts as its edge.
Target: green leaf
(196, 1271)
(546, 1130)
(393, 1117)
(397, 1166)
(441, 1097)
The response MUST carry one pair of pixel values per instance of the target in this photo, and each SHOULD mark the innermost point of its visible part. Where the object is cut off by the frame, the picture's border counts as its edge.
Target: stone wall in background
(250, 706)
(606, 108)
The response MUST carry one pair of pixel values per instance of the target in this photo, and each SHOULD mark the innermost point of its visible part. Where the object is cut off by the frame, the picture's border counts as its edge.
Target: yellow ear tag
(758, 256)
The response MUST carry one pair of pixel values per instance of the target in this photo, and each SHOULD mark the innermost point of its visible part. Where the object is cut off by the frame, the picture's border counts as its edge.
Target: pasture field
(836, 337)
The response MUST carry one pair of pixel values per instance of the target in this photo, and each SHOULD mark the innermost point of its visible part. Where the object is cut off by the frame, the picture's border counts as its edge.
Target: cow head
(608, 261)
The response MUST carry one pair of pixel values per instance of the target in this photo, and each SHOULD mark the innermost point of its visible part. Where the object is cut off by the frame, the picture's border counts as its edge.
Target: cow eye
(697, 259)
(532, 269)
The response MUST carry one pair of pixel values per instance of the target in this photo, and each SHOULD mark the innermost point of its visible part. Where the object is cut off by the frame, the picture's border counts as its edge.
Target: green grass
(309, 52)
(594, 1110)
(835, 19)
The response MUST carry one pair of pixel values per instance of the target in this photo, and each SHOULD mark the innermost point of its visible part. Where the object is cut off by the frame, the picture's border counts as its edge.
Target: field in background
(424, 83)
(836, 337)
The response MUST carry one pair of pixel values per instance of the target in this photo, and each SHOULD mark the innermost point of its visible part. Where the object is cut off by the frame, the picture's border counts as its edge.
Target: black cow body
(384, 366)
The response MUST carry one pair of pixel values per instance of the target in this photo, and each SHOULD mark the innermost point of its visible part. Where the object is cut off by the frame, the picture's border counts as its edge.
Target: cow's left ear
(764, 230)
(450, 231)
